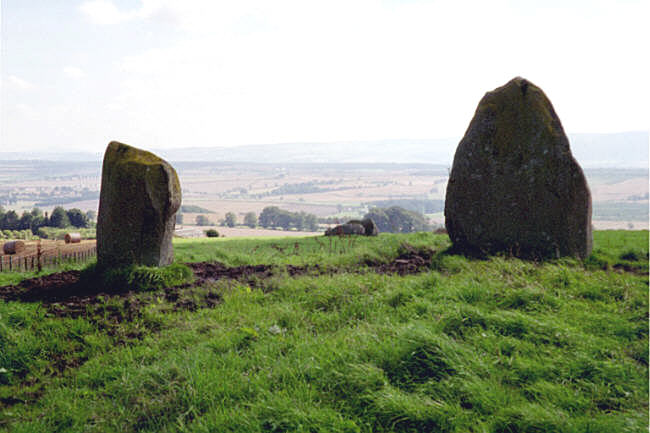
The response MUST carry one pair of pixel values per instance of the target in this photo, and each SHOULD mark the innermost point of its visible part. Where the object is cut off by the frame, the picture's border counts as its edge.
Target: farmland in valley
(620, 196)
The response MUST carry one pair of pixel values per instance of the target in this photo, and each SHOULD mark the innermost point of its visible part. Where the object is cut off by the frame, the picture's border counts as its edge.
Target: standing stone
(514, 185)
(369, 226)
(346, 229)
(139, 197)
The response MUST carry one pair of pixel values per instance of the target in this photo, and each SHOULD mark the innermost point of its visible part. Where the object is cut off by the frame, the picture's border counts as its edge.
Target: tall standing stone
(140, 194)
(514, 185)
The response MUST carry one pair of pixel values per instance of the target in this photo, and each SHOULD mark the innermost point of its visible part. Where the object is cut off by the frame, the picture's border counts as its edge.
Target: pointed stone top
(518, 110)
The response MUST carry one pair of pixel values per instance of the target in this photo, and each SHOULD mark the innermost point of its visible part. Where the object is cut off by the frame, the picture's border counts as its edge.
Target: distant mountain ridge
(615, 150)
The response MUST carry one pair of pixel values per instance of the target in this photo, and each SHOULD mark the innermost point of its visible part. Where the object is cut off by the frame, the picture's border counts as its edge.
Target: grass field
(497, 345)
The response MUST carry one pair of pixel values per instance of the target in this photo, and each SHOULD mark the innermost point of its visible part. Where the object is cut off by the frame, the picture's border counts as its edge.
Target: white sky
(190, 73)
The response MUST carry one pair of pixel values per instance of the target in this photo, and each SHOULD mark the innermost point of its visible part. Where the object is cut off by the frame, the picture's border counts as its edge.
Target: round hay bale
(72, 238)
(13, 247)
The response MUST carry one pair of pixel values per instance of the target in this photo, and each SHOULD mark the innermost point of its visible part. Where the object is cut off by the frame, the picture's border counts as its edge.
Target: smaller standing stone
(365, 227)
(368, 224)
(140, 194)
(346, 229)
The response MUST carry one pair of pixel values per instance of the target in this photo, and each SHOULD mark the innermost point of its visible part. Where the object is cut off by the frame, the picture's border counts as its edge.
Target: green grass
(498, 345)
(326, 251)
(139, 278)
(59, 233)
(7, 278)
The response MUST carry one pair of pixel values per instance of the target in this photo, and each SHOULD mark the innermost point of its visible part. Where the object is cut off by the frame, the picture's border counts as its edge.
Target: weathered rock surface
(346, 229)
(368, 224)
(365, 227)
(140, 194)
(514, 185)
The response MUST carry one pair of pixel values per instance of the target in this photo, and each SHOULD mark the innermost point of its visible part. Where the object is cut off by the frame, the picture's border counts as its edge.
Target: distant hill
(381, 151)
(622, 150)
(60, 156)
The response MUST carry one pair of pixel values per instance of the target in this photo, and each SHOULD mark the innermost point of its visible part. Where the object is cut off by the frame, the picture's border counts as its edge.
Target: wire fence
(47, 258)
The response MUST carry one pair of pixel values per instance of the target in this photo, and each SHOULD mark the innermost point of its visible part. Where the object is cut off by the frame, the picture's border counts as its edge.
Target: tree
(311, 222)
(202, 220)
(396, 219)
(59, 218)
(250, 219)
(25, 221)
(230, 220)
(37, 222)
(283, 219)
(378, 215)
(77, 218)
(10, 221)
(268, 216)
(299, 220)
(179, 218)
(272, 216)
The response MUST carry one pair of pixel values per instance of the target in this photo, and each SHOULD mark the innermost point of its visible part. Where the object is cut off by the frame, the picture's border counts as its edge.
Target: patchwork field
(238, 232)
(51, 247)
(387, 334)
(620, 196)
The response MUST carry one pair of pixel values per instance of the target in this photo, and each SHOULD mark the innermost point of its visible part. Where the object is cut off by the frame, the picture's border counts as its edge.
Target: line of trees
(396, 219)
(412, 204)
(35, 219)
(273, 216)
(250, 219)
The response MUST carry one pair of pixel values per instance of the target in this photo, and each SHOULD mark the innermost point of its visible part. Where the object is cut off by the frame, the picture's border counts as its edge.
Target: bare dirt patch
(65, 294)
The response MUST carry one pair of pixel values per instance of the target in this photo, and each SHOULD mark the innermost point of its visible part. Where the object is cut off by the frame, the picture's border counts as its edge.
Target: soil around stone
(64, 293)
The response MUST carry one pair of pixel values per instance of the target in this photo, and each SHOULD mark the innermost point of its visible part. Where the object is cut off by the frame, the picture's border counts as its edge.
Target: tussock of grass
(496, 345)
(139, 278)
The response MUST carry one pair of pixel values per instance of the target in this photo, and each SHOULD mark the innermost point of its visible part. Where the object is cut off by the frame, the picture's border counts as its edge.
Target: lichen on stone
(514, 185)
(139, 198)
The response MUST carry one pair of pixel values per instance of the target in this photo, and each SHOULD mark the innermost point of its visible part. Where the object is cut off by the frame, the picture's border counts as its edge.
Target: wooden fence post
(38, 255)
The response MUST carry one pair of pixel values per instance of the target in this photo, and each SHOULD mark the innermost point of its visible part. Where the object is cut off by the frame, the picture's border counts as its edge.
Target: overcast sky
(186, 73)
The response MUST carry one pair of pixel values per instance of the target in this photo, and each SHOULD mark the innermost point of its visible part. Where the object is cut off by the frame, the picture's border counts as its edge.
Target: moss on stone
(514, 185)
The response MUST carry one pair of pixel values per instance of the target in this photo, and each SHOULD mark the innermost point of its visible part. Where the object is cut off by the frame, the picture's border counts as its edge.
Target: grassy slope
(498, 346)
